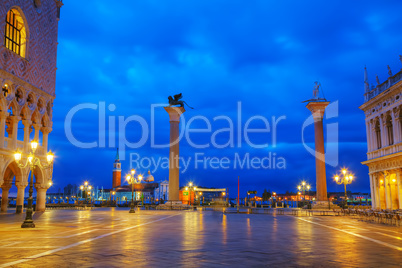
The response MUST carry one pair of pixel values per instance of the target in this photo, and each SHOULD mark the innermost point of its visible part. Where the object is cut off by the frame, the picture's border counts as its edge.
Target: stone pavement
(114, 238)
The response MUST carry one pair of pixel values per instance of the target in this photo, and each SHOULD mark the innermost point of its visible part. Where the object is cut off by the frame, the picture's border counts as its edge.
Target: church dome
(149, 178)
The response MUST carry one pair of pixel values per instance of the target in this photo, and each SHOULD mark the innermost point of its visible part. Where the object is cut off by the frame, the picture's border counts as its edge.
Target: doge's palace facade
(28, 52)
(382, 108)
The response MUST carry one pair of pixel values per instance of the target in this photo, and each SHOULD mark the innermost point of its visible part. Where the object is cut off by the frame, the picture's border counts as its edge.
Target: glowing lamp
(82, 187)
(336, 178)
(50, 157)
(133, 172)
(190, 184)
(344, 171)
(89, 187)
(30, 158)
(304, 183)
(128, 177)
(17, 156)
(34, 145)
(86, 183)
(50, 183)
(140, 177)
(186, 188)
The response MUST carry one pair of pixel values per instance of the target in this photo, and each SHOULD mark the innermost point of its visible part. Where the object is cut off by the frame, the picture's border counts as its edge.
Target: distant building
(382, 109)
(193, 195)
(28, 57)
(116, 171)
(148, 189)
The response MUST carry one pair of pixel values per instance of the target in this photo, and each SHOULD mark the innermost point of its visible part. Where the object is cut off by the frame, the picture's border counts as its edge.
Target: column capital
(4, 115)
(37, 126)
(46, 130)
(40, 186)
(6, 187)
(26, 122)
(317, 108)
(15, 119)
(21, 185)
(174, 113)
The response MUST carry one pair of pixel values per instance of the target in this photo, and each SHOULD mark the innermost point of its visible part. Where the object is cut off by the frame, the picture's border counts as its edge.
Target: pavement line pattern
(79, 243)
(358, 235)
(396, 237)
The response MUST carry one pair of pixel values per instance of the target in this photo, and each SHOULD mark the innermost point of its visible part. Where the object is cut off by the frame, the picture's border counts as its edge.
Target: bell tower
(117, 171)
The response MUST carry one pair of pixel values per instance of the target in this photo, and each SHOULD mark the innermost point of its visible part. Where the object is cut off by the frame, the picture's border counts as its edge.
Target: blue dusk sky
(263, 56)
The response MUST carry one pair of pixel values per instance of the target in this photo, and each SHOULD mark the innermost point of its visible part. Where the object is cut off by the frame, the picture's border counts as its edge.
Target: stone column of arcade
(317, 108)
(40, 197)
(4, 197)
(20, 197)
(174, 171)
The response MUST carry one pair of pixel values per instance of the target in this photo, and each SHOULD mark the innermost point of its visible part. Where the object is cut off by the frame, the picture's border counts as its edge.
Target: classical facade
(382, 108)
(28, 53)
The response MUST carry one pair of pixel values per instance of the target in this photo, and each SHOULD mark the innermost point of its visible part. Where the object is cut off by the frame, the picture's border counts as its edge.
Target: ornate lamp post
(132, 180)
(347, 178)
(191, 188)
(87, 190)
(32, 162)
(304, 187)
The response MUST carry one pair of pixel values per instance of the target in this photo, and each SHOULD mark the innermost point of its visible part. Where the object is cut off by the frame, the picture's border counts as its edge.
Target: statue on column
(175, 100)
(316, 89)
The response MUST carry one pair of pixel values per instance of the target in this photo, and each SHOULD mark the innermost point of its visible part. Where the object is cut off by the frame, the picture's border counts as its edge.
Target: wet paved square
(114, 238)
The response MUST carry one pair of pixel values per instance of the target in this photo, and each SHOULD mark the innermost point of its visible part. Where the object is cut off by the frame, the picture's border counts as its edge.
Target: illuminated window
(15, 33)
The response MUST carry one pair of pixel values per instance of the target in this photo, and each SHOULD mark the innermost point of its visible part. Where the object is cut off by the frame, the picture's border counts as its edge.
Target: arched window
(15, 34)
(390, 130)
(378, 134)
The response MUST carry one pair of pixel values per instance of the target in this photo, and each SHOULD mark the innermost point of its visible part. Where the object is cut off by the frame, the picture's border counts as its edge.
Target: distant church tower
(117, 171)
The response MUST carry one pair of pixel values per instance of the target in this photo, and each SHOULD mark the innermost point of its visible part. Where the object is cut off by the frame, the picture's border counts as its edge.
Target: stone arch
(46, 121)
(36, 117)
(24, 30)
(40, 176)
(25, 113)
(12, 169)
(13, 108)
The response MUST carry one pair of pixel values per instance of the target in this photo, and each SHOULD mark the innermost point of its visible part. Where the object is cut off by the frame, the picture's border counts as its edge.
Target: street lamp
(131, 179)
(191, 188)
(347, 178)
(32, 161)
(303, 187)
(86, 188)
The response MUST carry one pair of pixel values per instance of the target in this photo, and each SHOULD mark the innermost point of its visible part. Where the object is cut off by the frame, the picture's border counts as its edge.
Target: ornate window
(390, 130)
(15, 33)
(378, 134)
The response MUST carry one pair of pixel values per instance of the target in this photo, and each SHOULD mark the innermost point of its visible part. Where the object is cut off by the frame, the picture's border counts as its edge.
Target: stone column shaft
(45, 133)
(387, 190)
(27, 125)
(37, 128)
(368, 134)
(174, 171)
(3, 117)
(41, 199)
(14, 121)
(4, 197)
(372, 190)
(21, 196)
(399, 185)
(318, 109)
